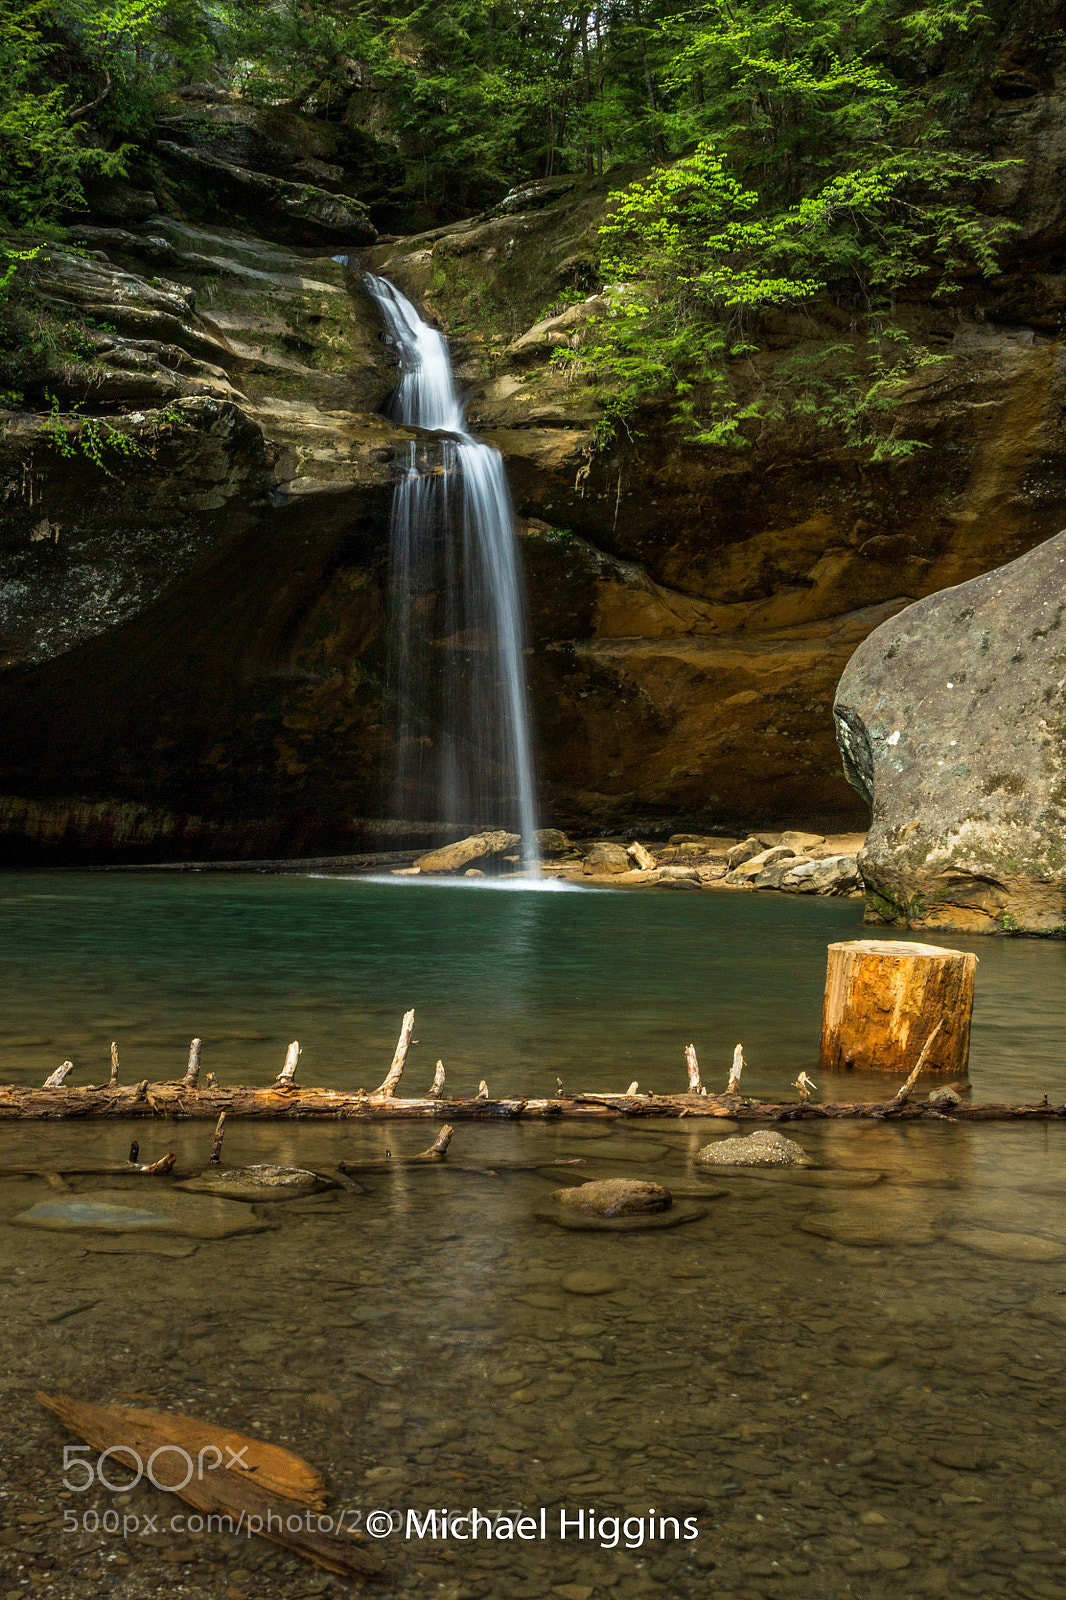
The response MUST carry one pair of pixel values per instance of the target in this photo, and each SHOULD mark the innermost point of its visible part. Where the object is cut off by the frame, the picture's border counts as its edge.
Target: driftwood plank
(228, 1474)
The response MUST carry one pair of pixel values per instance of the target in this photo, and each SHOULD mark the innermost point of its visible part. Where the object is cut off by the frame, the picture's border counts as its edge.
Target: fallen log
(284, 1103)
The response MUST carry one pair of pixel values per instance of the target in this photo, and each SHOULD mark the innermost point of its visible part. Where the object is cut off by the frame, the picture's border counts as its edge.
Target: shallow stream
(849, 1376)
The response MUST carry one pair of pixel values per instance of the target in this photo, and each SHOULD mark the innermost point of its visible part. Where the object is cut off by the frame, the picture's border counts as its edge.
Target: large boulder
(951, 720)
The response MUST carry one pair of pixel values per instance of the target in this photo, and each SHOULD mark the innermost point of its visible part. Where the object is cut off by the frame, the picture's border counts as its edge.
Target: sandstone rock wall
(198, 631)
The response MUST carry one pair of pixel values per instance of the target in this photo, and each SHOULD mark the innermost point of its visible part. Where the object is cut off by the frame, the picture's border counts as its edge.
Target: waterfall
(457, 633)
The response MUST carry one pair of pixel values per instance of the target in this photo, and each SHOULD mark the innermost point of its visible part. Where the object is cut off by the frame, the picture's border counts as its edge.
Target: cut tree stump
(884, 998)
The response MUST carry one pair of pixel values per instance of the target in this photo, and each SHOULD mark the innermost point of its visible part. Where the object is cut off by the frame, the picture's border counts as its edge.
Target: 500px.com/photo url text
(437, 1525)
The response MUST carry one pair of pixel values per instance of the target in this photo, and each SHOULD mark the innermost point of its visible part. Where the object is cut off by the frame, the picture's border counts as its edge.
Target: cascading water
(457, 633)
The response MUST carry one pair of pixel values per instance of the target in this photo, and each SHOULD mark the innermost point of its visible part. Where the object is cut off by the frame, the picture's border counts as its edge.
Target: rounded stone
(763, 1148)
(615, 1197)
(590, 1282)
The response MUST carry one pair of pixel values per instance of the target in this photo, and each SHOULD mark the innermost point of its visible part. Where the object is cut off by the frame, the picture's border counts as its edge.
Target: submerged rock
(951, 720)
(866, 1230)
(1008, 1246)
(760, 1149)
(193, 1216)
(591, 1282)
(577, 1221)
(615, 1197)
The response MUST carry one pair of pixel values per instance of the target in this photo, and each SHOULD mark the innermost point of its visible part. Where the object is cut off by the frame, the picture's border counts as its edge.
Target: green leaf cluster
(817, 178)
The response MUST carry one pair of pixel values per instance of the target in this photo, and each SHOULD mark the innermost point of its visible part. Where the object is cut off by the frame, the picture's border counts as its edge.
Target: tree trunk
(884, 998)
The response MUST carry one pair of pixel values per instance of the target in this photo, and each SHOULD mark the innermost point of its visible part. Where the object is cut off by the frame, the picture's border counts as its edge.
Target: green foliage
(13, 259)
(824, 179)
(796, 156)
(93, 437)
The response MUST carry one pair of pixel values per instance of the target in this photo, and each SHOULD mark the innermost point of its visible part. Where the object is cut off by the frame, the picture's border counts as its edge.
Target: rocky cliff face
(952, 723)
(193, 631)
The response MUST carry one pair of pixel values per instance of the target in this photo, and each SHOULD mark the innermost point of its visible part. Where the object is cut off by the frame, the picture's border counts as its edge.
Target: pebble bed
(849, 1375)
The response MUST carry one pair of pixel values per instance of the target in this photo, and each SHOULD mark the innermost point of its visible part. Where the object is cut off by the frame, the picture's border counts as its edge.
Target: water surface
(849, 1377)
(596, 987)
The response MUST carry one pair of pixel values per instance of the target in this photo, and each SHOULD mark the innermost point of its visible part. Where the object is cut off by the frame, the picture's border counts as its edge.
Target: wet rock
(479, 847)
(193, 1216)
(833, 875)
(111, 198)
(950, 721)
(615, 1197)
(606, 858)
(760, 1149)
(261, 1182)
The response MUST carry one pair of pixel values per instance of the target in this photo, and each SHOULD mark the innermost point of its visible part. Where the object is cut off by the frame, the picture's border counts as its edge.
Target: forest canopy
(784, 145)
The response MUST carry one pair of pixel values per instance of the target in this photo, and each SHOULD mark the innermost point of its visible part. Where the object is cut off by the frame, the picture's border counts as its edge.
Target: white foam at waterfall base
(457, 631)
(523, 882)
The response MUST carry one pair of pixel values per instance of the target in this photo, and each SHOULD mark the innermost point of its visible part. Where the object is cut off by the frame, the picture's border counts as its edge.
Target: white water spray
(457, 607)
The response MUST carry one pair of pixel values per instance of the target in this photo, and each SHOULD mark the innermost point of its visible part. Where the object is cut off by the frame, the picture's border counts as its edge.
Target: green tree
(816, 173)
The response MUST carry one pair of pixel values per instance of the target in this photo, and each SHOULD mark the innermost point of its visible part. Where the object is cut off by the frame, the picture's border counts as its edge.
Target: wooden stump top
(915, 950)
